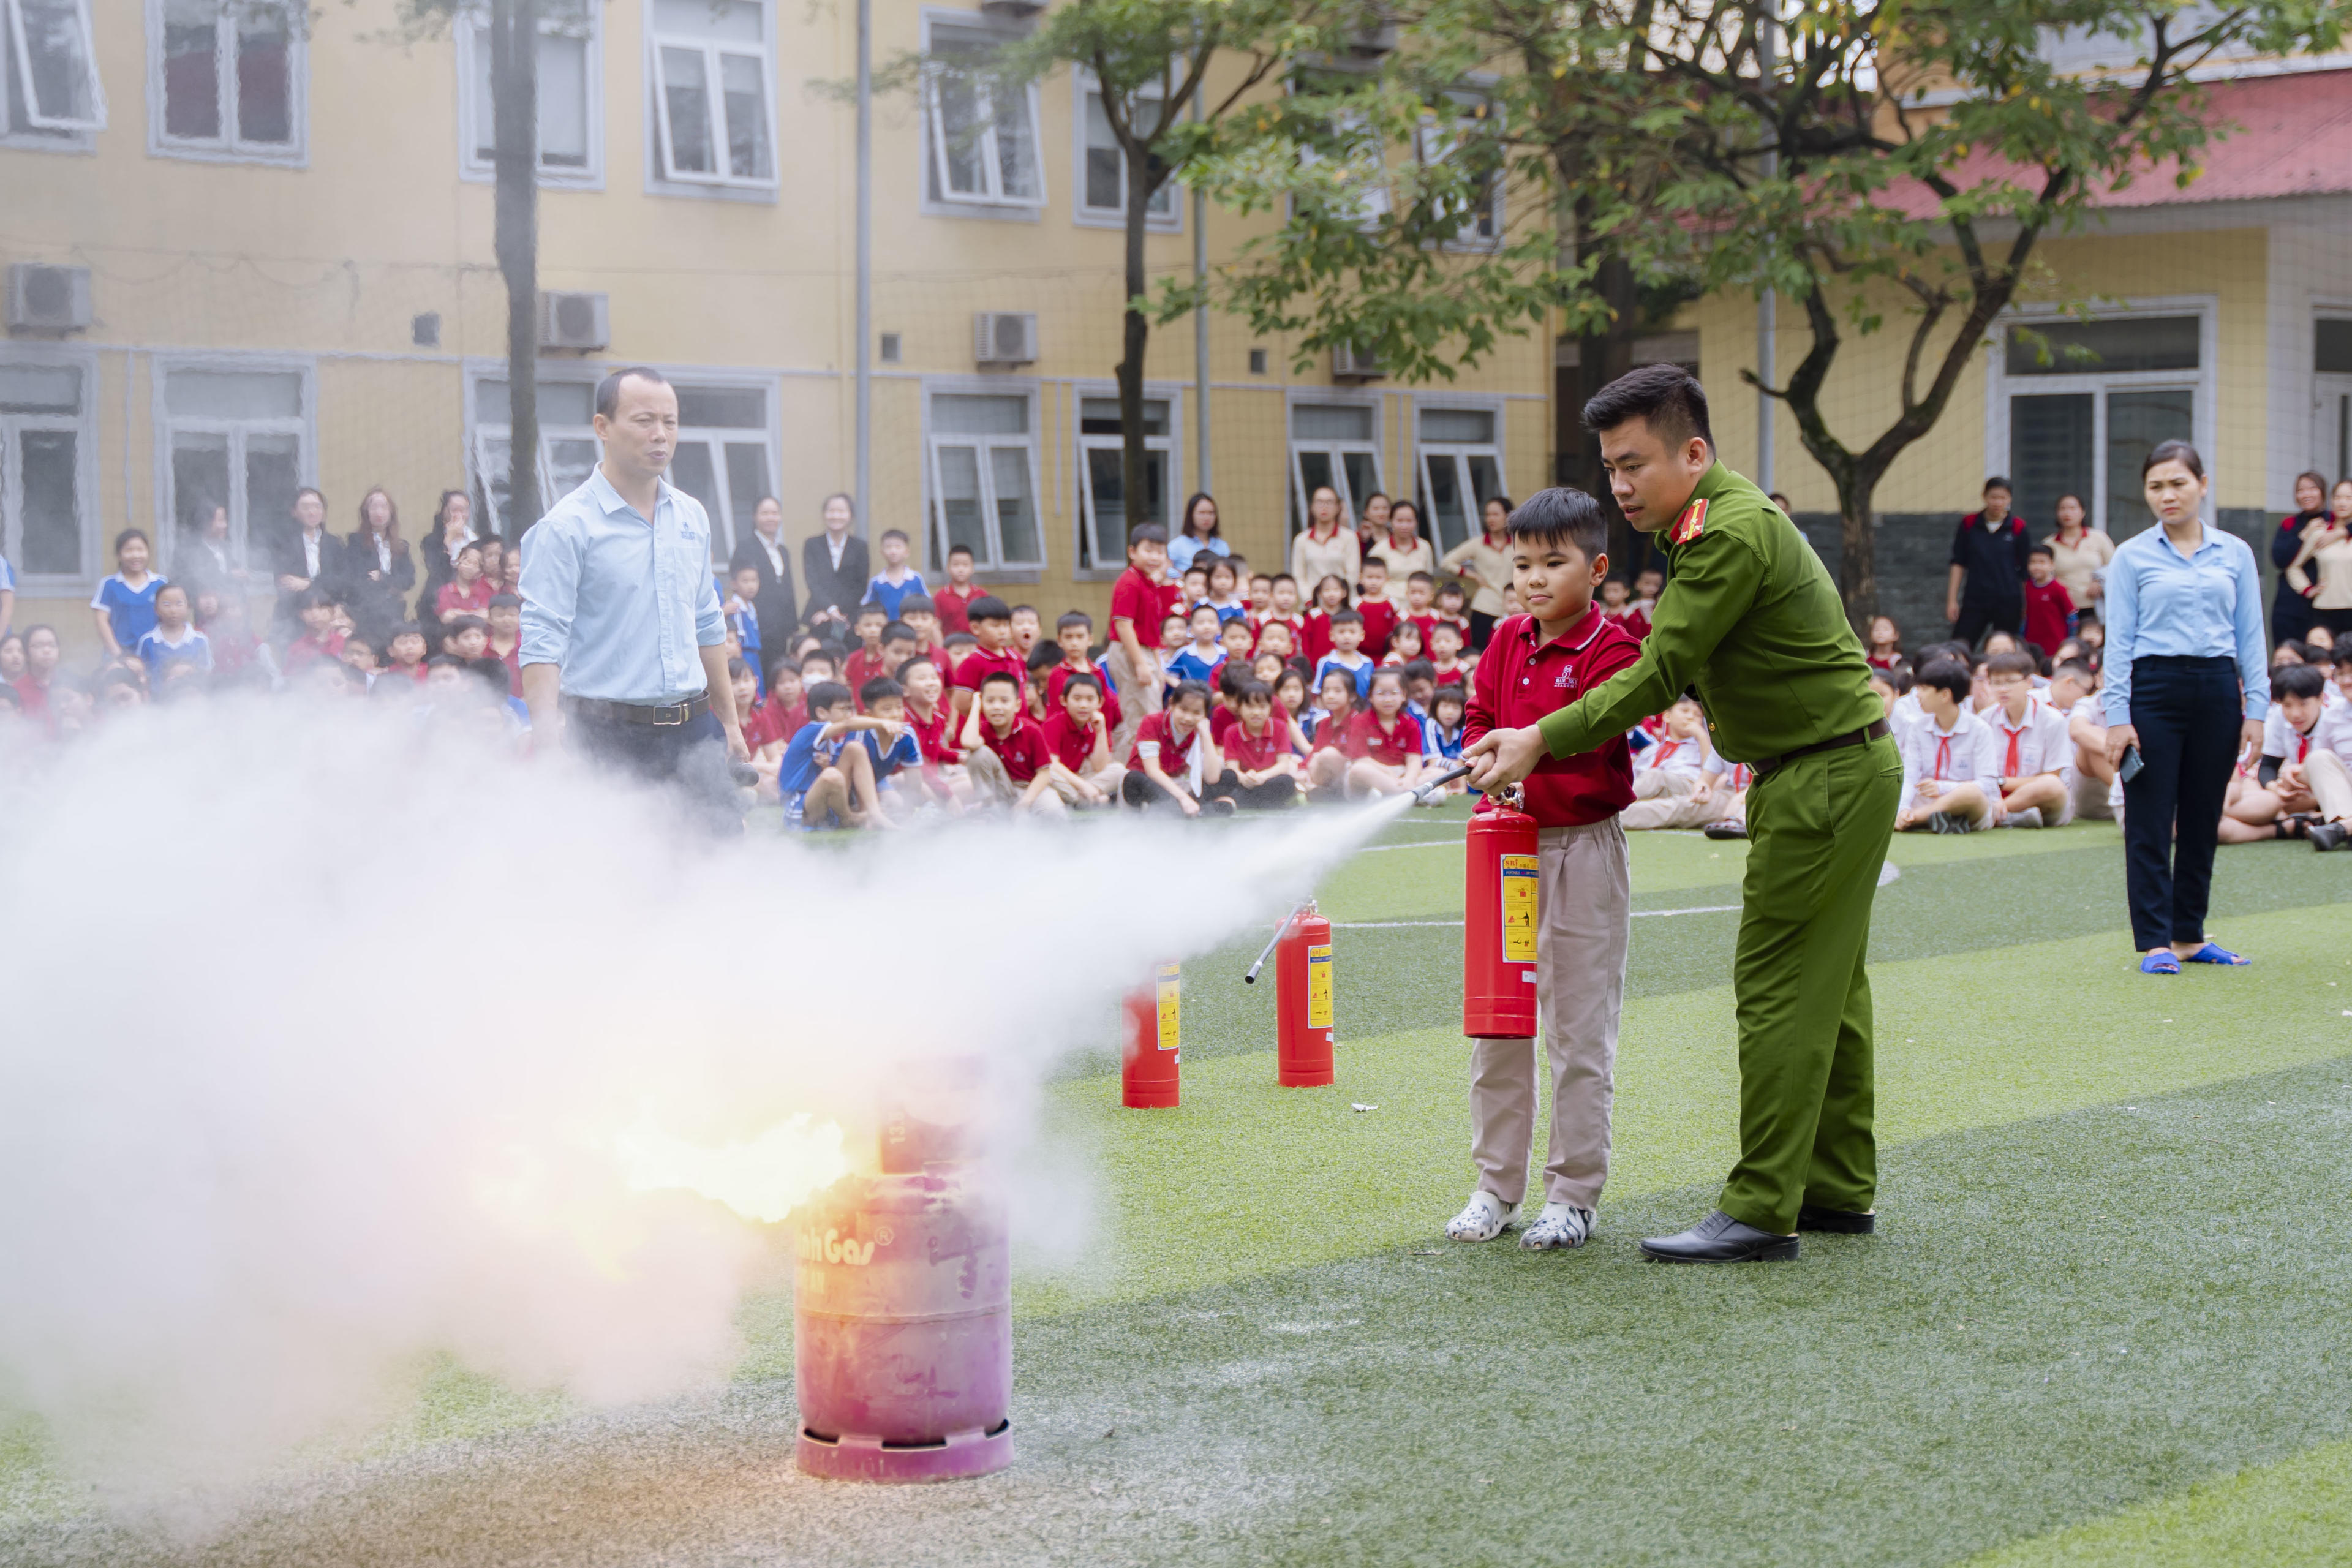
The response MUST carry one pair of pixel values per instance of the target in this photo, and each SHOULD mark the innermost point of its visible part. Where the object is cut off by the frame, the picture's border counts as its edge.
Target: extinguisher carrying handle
(1279, 932)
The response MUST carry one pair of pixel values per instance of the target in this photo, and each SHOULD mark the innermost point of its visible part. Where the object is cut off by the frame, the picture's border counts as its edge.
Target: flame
(763, 1180)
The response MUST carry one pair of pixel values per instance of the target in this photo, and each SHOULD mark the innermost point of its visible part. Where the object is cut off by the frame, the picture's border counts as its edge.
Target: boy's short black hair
(1562, 516)
(988, 607)
(916, 605)
(956, 549)
(1004, 676)
(314, 598)
(2012, 663)
(1070, 618)
(900, 631)
(493, 671)
(905, 664)
(1088, 681)
(1412, 577)
(1254, 692)
(2033, 551)
(780, 663)
(1347, 618)
(456, 624)
(1437, 626)
(405, 629)
(1371, 561)
(2298, 680)
(1419, 669)
(1044, 657)
(880, 687)
(826, 695)
(1948, 676)
(1997, 482)
(445, 661)
(866, 610)
(1146, 533)
(961, 639)
(1031, 608)
(1189, 688)
(2080, 670)
(506, 602)
(1666, 397)
(1231, 679)
(735, 667)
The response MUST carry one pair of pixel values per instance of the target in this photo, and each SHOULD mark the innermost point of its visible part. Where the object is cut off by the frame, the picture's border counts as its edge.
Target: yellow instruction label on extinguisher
(1171, 1020)
(1518, 909)
(1318, 988)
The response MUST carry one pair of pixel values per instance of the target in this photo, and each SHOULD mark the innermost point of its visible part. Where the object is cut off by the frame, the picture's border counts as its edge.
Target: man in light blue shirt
(623, 645)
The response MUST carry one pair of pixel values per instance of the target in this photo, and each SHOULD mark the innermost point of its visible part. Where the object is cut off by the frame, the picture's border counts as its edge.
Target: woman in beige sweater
(2329, 550)
(1404, 550)
(1328, 548)
(2078, 553)
(1484, 564)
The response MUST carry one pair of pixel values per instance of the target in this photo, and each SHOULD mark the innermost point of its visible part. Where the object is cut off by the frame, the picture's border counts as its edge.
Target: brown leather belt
(1861, 737)
(602, 712)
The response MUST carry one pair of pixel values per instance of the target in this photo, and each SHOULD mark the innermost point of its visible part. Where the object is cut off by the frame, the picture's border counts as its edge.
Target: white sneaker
(2030, 817)
(1483, 1218)
(1557, 1226)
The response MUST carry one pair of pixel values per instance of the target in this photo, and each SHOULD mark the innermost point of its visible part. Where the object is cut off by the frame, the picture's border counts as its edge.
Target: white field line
(1638, 914)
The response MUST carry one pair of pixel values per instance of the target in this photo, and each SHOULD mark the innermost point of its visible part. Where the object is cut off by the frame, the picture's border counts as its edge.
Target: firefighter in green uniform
(1750, 621)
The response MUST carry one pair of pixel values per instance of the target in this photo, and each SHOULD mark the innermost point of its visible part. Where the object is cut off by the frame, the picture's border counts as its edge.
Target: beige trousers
(1138, 694)
(1584, 915)
(1661, 798)
(2330, 784)
(1103, 779)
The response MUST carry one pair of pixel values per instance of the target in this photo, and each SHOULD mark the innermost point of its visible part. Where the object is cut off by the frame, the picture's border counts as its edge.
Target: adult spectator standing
(1198, 534)
(1987, 586)
(2321, 572)
(307, 556)
(766, 553)
(1404, 548)
(2184, 658)
(1750, 620)
(2078, 553)
(837, 566)
(2291, 615)
(1327, 548)
(380, 568)
(1484, 562)
(209, 562)
(624, 646)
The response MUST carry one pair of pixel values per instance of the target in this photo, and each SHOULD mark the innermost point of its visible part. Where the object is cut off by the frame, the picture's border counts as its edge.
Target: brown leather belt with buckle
(1861, 737)
(601, 713)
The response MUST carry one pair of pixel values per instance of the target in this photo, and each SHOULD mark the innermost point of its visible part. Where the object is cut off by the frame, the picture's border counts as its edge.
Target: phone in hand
(2128, 769)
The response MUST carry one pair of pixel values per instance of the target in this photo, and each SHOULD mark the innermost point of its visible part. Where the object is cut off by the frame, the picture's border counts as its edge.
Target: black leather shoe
(2327, 835)
(1720, 1238)
(1838, 1222)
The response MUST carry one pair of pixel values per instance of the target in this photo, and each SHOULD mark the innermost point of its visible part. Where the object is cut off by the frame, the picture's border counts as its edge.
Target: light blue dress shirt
(620, 605)
(1185, 551)
(2161, 603)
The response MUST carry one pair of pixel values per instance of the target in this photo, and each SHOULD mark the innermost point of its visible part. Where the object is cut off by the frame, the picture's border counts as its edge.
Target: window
(983, 451)
(1102, 164)
(2331, 401)
(1458, 120)
(52, 83)
(45, 448)
(982, 142)
(570, 106)
(1335, 443)
(1461, 467)
(713, 123)
(1101, 454)
(725, 457)
(228, 78)
(235, 437)
(2084, 401)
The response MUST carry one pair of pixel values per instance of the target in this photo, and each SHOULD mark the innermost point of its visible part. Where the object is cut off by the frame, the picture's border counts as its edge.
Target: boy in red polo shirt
(1384, 742)
(1535, 663)
(992, 631)
(1075, 634)
(932, 717)
(1380, 615)
(1078, 734)
(1265, 770)
(1005, 753)
(956, 597)
(1140, 603)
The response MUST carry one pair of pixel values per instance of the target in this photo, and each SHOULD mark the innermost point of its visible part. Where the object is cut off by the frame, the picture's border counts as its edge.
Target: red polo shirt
(860, 667)
(1519, 683)
(1254, 753)
(953, 605)
(1135, 597)
(1175, 760)
(1023, 752)
(977, 667)
(1072, 743)
(1392, 744)
(1379, 624)
(1060, 677)
(932, 735)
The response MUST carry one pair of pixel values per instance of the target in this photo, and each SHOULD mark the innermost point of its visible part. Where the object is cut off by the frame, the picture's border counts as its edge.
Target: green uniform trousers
(1818, 828)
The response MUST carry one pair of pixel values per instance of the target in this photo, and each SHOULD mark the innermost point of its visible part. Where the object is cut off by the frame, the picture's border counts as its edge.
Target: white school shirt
(2333, 732)
(1956, 756)
(1741, 773)
(2044, 746)
(1684, 756)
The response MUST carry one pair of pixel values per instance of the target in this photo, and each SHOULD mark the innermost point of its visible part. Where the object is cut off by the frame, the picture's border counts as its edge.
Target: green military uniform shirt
(1750, 618)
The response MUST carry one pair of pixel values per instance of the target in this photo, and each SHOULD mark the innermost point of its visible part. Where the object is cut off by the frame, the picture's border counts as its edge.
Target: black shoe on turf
(1720, 1238)
(1838, 1222)
(1728, 828)
(2327, 835)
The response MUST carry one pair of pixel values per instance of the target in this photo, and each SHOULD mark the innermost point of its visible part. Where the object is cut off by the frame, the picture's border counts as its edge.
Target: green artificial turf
(2101, 1323)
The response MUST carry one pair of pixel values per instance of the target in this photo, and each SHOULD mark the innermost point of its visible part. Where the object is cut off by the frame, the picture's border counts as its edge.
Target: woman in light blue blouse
(1196, 535)
(2188, 687)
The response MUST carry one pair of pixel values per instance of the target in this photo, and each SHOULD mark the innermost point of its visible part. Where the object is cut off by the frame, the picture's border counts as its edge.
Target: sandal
(2213, 952)
(2160, 963)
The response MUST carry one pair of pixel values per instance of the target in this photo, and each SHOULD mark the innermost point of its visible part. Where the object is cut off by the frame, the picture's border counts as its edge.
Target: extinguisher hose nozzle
(1251, 978)
(1428, 792)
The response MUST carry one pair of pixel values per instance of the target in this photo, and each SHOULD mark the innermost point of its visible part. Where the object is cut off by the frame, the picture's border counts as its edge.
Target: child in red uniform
(1404, 646)
(319, 639)
(1384, 743)
(1884, 647)
(2049, 608)
(468, 593)
(403, 651)
(1327, 760)
(932, 717)
(1617, 603)
(1175, 762)
(1075, 634)
(1005, 754)
(1380, 615)
(1445, 655)
(1028, 629)
(957, 594)
(1331, 598)
(992, 629)
(1078, 734)
(1535, 663)
(866, 660)
(505, 615)
(923, 617)
(1450, 601)
(1141, 601)
(1265, 771)
(1282, 610)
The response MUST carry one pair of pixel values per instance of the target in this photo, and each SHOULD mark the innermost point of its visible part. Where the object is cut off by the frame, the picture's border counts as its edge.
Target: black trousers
(688, 760)
(1482, 627)
(1976, 619)
(2186, 713)
(1138, 789)
(2291, 616)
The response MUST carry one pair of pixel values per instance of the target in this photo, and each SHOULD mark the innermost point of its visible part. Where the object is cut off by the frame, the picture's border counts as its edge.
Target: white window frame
(1426, 453)
(1083, 88)
(303, 426)
(83, 425)
(1172, 447)
(226, 148)
(2204, 382)
(993, 203)
(1432, 144)
(935, 527)
(2331, 404)
(662, 176)
(473, 48)
(485, 427)
(23, 75)
(1350, 504)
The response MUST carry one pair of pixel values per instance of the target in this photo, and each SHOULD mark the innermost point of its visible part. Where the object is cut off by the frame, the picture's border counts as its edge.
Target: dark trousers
(1977, 618)
(688, 760)
(1482, 627)
(2291, 616)
(1138, 788)
(2186, 713)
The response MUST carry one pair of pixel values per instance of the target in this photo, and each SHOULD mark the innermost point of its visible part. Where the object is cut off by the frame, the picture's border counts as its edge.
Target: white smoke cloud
(323, 1030)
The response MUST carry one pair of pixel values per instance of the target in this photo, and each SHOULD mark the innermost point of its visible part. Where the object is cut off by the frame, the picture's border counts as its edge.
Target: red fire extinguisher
(1150, 1054)
(1498, 934)
(1302, 1001)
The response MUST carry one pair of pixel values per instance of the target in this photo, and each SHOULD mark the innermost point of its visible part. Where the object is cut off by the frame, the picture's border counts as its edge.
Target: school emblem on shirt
(1565, 680)
(1690, 525)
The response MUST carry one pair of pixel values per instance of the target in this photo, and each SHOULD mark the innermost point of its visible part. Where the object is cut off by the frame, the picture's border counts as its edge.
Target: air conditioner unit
(1005, 337)
(1013, 10)
(577, 322)
(1350, 362)
(44, 299)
